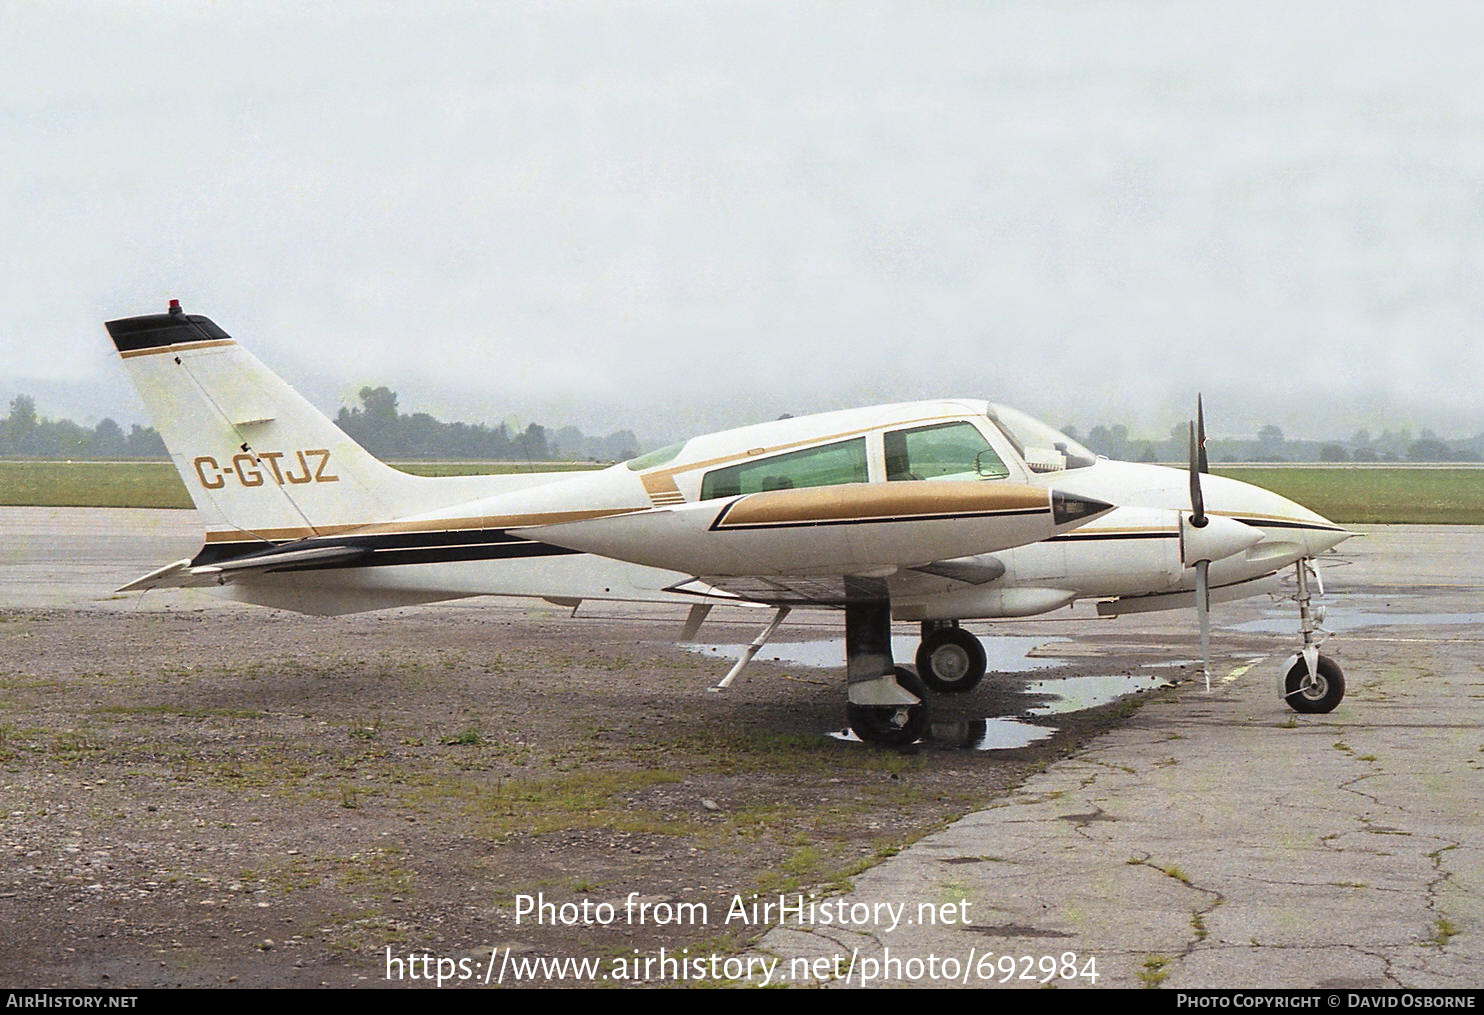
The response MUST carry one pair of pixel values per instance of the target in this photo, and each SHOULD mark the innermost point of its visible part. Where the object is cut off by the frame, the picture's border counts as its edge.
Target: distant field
(1376, 496)
(156, 484)
(1348, 495)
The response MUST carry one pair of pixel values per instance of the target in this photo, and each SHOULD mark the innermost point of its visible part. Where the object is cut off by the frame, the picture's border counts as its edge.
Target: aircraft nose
(1291, 531)
(1322, 539)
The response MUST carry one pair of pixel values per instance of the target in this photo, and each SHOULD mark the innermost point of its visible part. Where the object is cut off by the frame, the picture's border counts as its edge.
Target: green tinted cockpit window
(945, 451)
(844, 462)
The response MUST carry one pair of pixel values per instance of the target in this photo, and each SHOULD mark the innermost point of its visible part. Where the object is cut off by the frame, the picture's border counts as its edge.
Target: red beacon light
(175, 308)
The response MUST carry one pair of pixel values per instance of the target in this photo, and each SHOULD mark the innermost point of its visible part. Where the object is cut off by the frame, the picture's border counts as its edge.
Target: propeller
(1205, 537)
(1199, 520)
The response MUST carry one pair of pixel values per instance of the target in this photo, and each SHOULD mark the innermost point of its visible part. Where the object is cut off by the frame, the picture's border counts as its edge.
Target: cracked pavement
(1221, 840)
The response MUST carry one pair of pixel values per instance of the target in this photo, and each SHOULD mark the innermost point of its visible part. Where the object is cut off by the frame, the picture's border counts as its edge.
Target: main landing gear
(950, 660)
(1312, 683)
(887, 703)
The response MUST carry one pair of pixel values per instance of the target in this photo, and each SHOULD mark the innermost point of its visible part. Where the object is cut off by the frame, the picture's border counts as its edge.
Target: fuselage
(506, 538)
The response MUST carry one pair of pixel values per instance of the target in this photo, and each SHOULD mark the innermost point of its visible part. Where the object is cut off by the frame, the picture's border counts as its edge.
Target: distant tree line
(1270, 445)
(378, 427)
(375, 424)
(24, 434)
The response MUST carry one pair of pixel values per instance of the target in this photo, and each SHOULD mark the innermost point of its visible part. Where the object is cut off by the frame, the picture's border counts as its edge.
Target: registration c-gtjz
(256, 468)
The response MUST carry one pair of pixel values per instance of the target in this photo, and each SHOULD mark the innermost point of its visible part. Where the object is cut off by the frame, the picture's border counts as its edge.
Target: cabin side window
(944, 451)
(844, 462)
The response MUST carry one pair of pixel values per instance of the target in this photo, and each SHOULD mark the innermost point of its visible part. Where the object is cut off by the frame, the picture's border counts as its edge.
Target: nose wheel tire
(1316, 695)
(951, 661)
(892, 725)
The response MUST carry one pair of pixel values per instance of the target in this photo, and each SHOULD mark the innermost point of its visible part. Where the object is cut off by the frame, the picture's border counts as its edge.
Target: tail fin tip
(157, 331)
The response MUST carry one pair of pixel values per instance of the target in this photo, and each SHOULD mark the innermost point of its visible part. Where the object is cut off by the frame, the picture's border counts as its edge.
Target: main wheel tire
(892, 725)
(1322, 694)
(951, 661)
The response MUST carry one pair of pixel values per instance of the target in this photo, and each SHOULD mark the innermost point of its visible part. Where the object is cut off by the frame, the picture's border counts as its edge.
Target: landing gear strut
(887, 703)
(1312, 683)
(950, 660)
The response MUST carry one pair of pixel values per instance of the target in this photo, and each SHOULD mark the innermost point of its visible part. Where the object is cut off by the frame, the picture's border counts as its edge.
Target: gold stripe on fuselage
(423, 525)
(866, 502)
(661, 489)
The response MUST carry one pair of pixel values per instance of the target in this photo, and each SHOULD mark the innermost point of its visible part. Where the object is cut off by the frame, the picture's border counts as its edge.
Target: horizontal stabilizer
(176, 575)
(182, 575)
(286, 558)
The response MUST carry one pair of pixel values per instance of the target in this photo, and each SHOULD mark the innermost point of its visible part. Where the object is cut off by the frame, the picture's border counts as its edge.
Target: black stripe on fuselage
(1256, 523)
(1269, 523)
(388, 549)
(1098, 537)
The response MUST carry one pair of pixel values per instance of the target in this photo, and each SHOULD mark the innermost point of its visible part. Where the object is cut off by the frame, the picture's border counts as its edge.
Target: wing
(837, 591)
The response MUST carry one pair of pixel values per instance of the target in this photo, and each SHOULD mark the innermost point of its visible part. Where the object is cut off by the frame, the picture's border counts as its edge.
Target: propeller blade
(1200, 433)
(1203, 612)
(1197, 501)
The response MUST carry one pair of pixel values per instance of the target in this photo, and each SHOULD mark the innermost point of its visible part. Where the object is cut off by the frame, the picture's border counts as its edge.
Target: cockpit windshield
(1043, 448)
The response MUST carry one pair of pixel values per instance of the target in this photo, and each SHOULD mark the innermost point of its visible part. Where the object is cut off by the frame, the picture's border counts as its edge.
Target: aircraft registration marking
(246, 469)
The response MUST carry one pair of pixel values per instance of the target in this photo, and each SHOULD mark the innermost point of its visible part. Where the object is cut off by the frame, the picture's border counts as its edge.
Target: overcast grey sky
(682, 216)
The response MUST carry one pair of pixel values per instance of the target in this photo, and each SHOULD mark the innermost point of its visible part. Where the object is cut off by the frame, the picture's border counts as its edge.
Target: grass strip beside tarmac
(1351, 496)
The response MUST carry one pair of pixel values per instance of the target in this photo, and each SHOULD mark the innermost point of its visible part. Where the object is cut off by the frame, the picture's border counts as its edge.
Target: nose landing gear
(1312, 683)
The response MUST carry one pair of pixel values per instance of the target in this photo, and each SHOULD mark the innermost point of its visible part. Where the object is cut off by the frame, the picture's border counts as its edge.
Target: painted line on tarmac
(1241, 671)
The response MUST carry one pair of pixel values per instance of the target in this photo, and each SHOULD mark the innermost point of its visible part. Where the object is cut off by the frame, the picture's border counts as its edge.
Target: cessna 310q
(932, 512)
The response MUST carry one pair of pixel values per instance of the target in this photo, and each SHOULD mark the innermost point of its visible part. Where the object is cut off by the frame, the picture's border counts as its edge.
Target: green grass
(1443, 929)
(1154, 971)
(1350, 496)
(1376, 496)
(91, 484)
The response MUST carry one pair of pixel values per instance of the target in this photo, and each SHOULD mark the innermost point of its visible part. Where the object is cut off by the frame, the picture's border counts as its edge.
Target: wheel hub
(951, 663)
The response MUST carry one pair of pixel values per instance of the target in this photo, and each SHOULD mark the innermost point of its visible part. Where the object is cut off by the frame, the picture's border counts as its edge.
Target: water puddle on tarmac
(1007, 654)
(1354, 612)
(1072, 694)
(975, 734)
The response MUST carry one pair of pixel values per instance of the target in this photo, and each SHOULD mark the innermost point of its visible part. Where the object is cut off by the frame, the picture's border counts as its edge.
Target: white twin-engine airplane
(933, 512)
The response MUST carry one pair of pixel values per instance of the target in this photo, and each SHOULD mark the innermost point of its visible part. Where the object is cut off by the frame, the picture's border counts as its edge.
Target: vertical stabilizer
(255, 457)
